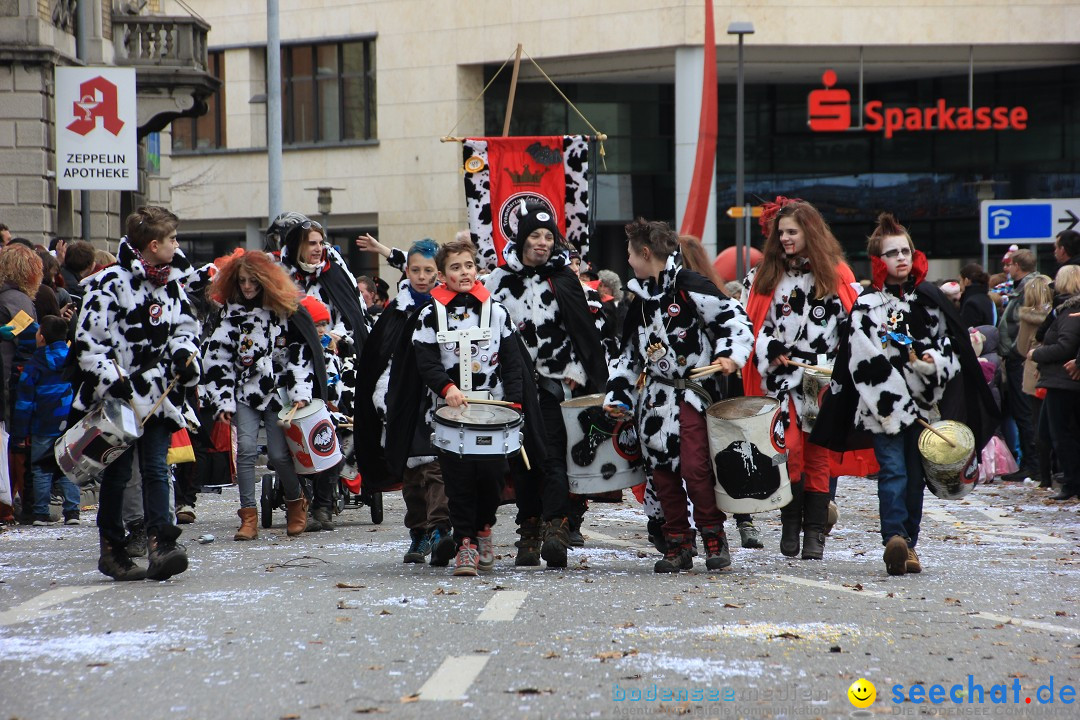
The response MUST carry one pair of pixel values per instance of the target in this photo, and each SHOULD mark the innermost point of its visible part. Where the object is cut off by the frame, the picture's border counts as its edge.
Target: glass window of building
(328, 92)
(207, 131)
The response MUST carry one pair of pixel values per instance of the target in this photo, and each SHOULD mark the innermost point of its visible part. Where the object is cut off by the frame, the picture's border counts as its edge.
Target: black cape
(581, 326)
(967, 397)
(406, 433)
(302, 328)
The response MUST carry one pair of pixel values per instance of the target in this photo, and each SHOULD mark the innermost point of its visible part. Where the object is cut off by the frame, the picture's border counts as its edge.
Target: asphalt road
(333, 625)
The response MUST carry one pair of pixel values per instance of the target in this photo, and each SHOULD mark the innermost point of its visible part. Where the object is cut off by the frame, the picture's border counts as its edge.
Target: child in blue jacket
(42, 403)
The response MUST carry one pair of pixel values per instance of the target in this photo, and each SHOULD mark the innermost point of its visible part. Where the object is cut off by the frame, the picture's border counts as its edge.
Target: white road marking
(503, 606)
(1027, 623)
(610, 540)
(453, 678)
(38, 607)
(1005, 528)
(831, 586)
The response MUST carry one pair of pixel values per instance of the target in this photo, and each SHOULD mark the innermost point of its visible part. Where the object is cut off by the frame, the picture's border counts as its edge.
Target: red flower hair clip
(769, 211)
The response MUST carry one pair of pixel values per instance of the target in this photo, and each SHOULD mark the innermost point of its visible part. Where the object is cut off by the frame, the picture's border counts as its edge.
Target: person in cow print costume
(254, 352)
(137, 333)
(679, 321)
(563, 326)
(427, 514)
(797, 298)
(905, 345)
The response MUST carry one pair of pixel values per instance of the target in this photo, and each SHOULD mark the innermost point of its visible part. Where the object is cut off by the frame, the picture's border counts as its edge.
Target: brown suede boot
(249, 521)
(295, 516)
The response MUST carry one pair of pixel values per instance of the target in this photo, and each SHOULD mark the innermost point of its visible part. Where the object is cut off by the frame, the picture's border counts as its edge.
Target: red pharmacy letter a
(97, 99)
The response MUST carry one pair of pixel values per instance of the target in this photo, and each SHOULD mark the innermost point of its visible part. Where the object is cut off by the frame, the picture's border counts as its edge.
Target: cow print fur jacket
(311, 285)
(529, 298)
(133, 328)
(797, 325)
(695, 329)
(249, 358)
(893, 390)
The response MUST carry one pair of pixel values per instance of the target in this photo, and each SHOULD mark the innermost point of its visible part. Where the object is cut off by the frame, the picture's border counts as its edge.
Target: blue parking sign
(1014, 221)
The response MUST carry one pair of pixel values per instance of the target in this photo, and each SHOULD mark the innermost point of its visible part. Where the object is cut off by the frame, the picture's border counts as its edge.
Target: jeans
(247, 421)
(152, 449)
(1061, 414)
(45, 472)
(900, 484)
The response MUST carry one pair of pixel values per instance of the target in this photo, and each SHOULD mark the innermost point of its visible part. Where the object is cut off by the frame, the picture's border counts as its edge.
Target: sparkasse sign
(829, 110)
(96, 129)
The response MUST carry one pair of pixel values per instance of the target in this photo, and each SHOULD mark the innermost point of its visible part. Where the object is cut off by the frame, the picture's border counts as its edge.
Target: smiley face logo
(862, 693)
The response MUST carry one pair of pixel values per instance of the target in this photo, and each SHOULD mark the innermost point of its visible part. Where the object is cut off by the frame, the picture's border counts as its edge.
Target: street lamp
(741, 29)
(325, 201)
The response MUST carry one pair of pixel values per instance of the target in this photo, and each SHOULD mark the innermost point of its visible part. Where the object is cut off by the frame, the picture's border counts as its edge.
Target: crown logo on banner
(526, 177)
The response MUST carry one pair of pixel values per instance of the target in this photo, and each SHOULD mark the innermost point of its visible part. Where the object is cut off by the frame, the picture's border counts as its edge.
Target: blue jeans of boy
(153, 448)
(900, 484)
(44, 472)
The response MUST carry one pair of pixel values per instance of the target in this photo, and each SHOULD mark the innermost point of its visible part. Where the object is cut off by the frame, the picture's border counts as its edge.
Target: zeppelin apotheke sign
(96, 129)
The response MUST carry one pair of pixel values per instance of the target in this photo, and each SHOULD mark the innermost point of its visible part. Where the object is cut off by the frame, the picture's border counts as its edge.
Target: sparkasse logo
(829, 110)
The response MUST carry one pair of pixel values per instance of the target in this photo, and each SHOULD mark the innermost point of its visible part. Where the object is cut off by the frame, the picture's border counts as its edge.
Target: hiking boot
(486, 549)
(833, 518)
(249, 522)
(419, 548)
(295, 516)
(750, 536)
(815, 515)
(442, 547)
(72, 518)
(717, 554)
(791, 520)
(310, 523)
(556, 542)
(896, 555)
(136, 539)
(574, 535)
(185, 515)
(912, 565)
(655, 529)
(167, 557)
(528, 543)
(324, 517)
(115, 562)
(467, 559)
(677, 556)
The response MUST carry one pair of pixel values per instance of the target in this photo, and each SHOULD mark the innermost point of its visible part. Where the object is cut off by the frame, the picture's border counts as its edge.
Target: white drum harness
(464, 339)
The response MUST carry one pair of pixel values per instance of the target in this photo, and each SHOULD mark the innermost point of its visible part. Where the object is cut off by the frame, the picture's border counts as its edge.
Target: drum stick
(481, 401)
(287, 420)
(705, 371)
(816, 368)
(934, 430)
(164, 395)
(525, 458)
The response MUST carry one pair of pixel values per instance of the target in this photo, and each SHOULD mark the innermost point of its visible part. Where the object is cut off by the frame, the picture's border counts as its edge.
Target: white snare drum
(602, 453)
(746, 439)
(84, 451)
(477, 430)
(815, 383)
(312, 438)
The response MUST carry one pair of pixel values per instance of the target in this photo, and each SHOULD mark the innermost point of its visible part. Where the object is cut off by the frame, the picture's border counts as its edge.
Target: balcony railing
(160, 41)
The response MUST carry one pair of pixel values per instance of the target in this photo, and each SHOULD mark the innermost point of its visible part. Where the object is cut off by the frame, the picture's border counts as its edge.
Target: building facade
(370, 88)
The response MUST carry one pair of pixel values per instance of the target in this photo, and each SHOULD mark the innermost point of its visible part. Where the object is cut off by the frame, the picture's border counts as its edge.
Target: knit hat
(534, 215)
(952, 289)
(319, 313)
(1008, 254)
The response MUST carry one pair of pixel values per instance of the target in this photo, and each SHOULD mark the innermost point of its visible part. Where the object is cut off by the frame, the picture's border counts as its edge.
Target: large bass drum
(90, 445)
(746, 439)
(602, 453)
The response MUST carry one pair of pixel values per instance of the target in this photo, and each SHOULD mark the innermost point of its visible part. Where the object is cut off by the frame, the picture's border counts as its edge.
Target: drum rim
(584, 401)
(307, 411)
(775, 404)
(466, 424)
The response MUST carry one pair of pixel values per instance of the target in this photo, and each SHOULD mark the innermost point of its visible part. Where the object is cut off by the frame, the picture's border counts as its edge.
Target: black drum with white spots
(746, 441)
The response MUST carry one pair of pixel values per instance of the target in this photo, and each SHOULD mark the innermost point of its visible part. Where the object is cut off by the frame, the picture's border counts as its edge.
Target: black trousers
(1018, 406)
(473, 491)
(544, 491)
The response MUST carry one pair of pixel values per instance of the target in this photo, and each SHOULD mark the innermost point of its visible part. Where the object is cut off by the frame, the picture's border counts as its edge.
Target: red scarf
(157, 274)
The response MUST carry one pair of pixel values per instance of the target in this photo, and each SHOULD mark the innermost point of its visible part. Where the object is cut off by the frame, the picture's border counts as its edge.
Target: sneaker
(42, 521)
(896, 555)
(750, 536)
(912, 565)
(442, 547)
(185, 515)
(486, 548)
(467, 559)
(71, 519)
(167, 557)
(420, 547)
(717, 555)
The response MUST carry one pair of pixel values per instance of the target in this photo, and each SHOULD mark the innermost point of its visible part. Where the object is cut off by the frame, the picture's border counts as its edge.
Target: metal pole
(83, 22)
(273, 107)
(740, 270)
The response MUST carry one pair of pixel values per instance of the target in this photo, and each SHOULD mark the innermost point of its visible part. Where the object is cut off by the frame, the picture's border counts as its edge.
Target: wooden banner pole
(513, 92)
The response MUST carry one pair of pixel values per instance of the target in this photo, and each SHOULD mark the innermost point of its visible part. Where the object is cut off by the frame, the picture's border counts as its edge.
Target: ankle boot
(116, 563)
(677, 556)
(791, 521)
(323, 517)
(815, 517)
(249, 522)
(167, 557)
(528, 544)
(295, 516)
(717, 554)
(556, 542)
